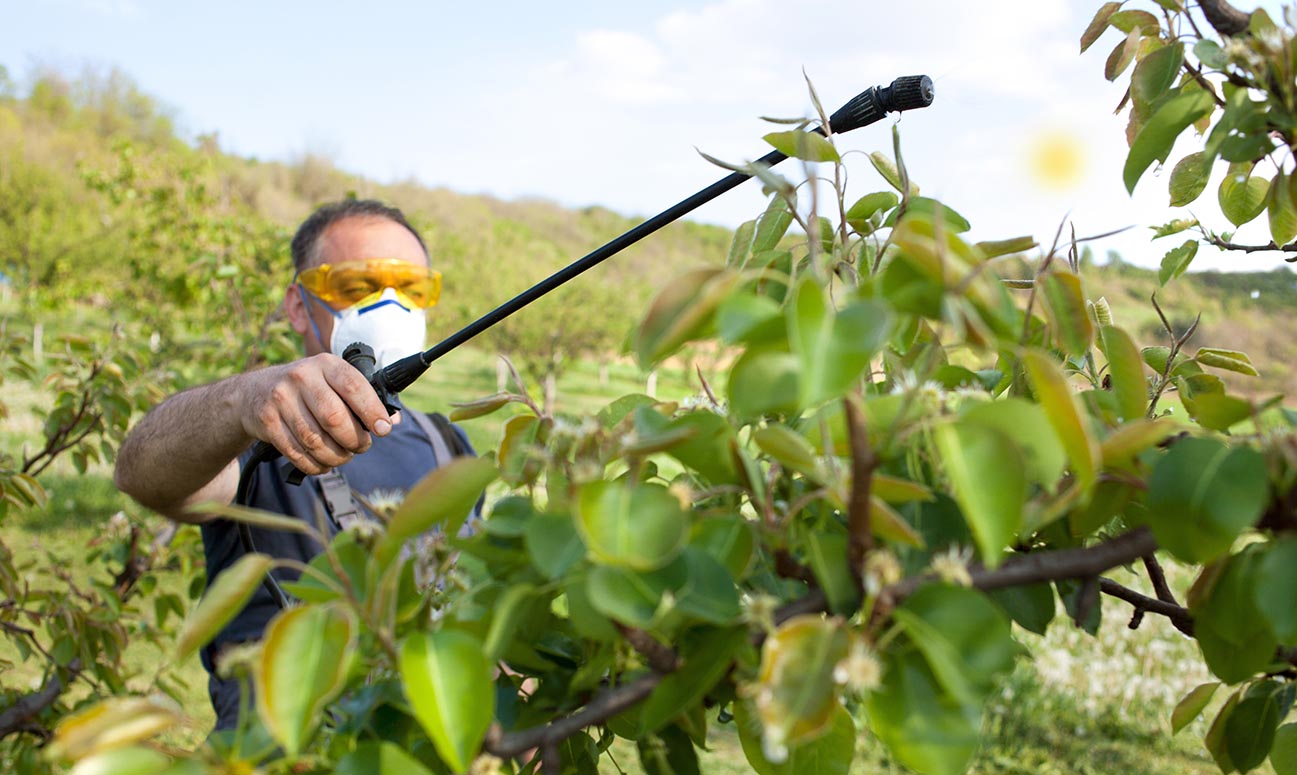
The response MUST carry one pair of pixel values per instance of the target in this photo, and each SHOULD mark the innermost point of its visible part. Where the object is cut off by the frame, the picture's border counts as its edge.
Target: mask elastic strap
(306, 300)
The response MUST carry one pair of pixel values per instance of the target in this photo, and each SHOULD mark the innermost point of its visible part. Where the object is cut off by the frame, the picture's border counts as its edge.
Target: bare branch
(1158, 577)
(660, 657)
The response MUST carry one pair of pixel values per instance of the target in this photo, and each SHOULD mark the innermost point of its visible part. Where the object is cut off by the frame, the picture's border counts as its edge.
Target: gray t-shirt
(393, 464)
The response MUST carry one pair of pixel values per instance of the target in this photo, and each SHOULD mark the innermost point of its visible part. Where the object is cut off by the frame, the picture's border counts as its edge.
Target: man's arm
(185, 451)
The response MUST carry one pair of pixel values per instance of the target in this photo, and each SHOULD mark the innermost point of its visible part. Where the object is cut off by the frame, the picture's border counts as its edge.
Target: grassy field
(1085, 705)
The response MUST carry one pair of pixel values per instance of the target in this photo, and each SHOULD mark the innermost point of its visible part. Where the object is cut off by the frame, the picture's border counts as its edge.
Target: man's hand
(317, 411)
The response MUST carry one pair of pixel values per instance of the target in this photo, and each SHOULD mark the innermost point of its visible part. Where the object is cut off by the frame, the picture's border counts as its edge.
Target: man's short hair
(306, 242)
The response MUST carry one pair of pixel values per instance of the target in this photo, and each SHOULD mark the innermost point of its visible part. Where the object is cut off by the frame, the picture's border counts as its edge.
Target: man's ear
(295, 309)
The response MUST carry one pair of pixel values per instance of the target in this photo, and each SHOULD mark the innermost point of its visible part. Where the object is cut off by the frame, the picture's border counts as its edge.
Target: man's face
(350, 239)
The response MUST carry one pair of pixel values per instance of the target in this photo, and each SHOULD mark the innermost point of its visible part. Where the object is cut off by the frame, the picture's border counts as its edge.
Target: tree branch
(660, 657)
(1223, 17)
(17, 717)
(1180, 617)
(603, 707)
(1158, 578)
(1271, 246)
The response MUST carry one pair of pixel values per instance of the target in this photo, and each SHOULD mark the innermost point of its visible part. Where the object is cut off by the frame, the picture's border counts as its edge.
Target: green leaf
(467, 410)
(1282, 210)
(729, 540)
(952, 222)
(1027, 425)
(799, 144)
(706, 656)
(827, 554)
(708, 593)
(1173, 227)
(997, 248)
(790, 448)
(976, 631)
(708, 450)
(869, 204)
(255, 517)
(379, 758)
(1031, 606)
(829, 754)
(639, 526)
(553, 544)
(131, 760)
(747, 319)
(986, 473)
(1192, 705)
(1060, 405)
(772, 225)
(508, 609)
(741, 246)
(1283, 754)
(629, 597)
(442, 499)
(1210, 53)
(229, 592)
(1242, 197)
(1156, 73)
(447, 681)
(833, 348)
(1202, 494)
(1158, 135)
(1234, 637)
(1176, 261)
(1065, 305)
(1126, 371)
(669, 752)
(1215, 738)
(1250, 731)
(1098, 24)
(1217, 411)
(682, 311)
(1189, 178)
(924, 728)
(887, 168)
(1276, 578)
(303, 665)
(764, 380)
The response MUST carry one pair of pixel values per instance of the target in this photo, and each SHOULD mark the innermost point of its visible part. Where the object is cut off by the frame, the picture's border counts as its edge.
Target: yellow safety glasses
(349, 283)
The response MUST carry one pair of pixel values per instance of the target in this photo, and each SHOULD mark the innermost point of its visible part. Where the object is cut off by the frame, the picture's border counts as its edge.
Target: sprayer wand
(905, 93)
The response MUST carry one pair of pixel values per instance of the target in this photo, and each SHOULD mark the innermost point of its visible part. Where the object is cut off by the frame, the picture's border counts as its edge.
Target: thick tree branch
(603, 707)
(1223, 17)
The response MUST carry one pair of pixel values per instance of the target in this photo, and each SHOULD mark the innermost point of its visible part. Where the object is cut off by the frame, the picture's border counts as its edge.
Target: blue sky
(604, 102)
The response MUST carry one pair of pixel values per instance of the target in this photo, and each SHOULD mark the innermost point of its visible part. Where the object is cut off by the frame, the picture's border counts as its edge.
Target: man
(362, 274)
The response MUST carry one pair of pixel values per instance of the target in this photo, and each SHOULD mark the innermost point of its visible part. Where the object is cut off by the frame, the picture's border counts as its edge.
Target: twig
(1180, 617)
(1158, 577)
(1271, 246)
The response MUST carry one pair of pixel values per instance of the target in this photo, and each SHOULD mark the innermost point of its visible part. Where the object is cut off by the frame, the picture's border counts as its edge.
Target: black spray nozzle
(905, 93)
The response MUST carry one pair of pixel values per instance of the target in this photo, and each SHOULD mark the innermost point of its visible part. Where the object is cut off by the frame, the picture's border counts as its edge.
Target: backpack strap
(446, 443)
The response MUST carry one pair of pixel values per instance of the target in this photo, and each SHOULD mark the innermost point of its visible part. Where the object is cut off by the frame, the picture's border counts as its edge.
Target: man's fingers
(359, 395)
(323, 443)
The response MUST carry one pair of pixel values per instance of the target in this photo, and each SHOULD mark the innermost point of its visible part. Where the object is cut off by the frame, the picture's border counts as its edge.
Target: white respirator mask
(390, 324)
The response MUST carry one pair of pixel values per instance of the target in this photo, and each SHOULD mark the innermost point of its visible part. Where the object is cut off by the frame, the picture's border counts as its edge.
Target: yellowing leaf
(681, 311)
(895, 490)
(1098, 24)
(1283, 212)
(797, 696)
(886, 524)
(1229, 360)
(303, 666)
(112, 723)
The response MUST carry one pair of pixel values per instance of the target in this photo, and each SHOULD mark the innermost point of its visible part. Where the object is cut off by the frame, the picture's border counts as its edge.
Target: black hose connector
(905, 93)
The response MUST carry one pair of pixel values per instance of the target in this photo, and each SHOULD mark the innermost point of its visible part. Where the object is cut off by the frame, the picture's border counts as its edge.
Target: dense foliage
(909, 460)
